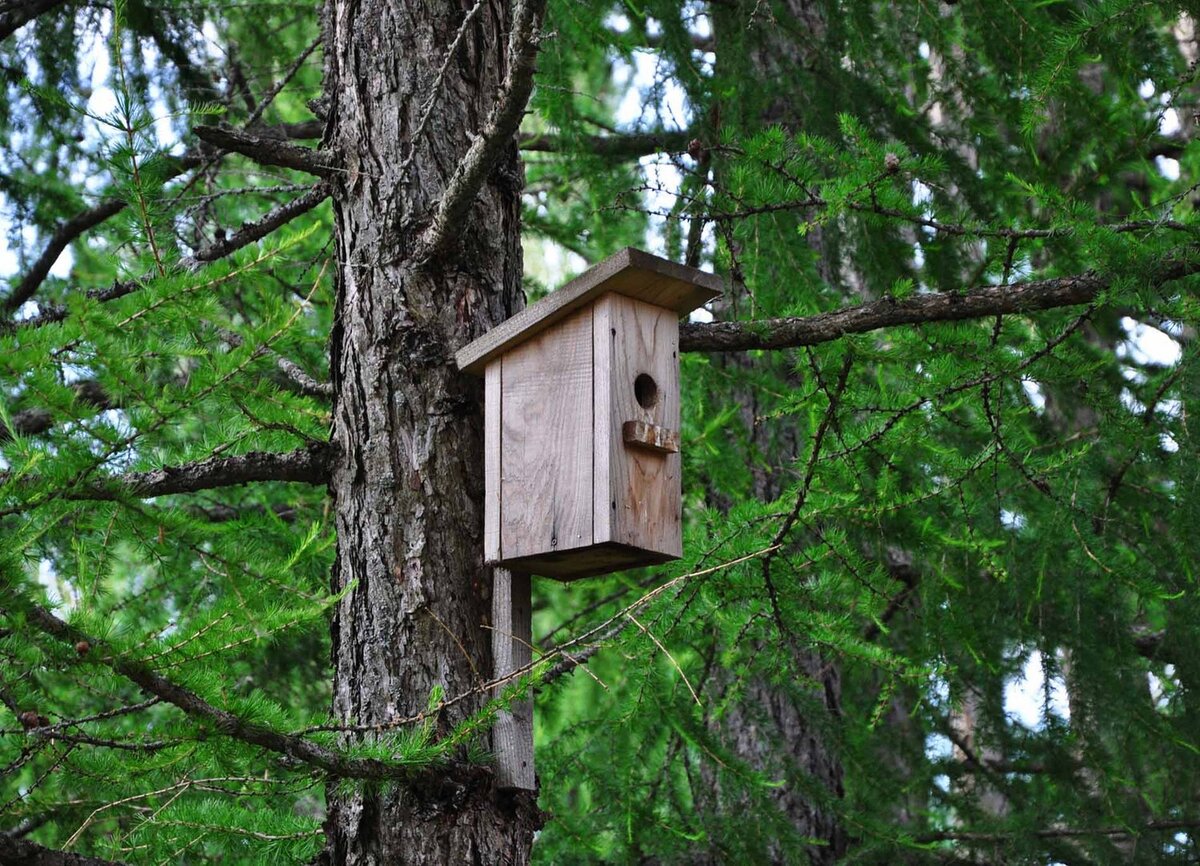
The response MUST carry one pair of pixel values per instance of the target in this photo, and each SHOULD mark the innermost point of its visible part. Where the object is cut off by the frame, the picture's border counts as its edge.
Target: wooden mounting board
(630, 272)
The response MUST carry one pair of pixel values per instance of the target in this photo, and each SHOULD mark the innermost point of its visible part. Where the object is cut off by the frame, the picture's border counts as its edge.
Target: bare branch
(263, 226)
(485, 151)
(270, 151)
(277, 88)
(976, 303)
(17, 15)
(435, 90)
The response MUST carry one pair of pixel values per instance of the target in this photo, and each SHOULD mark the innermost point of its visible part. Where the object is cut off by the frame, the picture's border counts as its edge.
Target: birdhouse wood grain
(582, 464)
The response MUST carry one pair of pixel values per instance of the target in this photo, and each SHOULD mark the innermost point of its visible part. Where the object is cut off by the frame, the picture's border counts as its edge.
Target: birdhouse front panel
(546, 450)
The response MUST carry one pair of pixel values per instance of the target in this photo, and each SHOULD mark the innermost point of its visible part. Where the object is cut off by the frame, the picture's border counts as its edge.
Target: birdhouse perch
(582, 464)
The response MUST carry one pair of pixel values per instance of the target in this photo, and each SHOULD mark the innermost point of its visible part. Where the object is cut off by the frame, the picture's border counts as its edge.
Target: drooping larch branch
(788, 333)
(57, 313)
(66, 233)
(488, 146)
(71, 230)
(229, 724)
(246, 235)
(35, 420)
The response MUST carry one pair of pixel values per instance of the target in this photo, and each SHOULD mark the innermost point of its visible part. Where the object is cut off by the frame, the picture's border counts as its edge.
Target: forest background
(937, 601)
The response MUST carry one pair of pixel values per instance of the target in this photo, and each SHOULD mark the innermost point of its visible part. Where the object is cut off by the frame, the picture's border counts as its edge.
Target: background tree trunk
(777, 730)
(407, 426)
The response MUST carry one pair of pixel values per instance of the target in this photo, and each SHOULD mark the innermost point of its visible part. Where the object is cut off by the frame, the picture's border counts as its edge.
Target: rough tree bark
(407, 478)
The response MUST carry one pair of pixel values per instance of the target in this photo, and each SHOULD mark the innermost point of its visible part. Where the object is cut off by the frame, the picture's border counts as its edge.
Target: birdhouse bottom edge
(590, 561)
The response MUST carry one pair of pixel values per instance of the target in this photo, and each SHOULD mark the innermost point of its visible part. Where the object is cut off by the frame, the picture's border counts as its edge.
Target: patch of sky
(1033, 391)
(1012, 519)
(1031, 698)
(1148, 345)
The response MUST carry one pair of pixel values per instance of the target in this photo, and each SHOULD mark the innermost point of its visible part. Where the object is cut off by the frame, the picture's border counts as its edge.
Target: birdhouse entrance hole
(645, 391)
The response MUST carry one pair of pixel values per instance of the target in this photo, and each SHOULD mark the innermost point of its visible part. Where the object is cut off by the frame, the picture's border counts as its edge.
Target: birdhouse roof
(630, 272)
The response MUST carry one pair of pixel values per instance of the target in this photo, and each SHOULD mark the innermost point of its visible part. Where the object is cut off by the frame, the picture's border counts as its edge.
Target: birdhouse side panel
(546, 441)
(638, 492)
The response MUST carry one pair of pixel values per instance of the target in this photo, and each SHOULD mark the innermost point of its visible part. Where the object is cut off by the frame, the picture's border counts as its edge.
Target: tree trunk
(407, 482)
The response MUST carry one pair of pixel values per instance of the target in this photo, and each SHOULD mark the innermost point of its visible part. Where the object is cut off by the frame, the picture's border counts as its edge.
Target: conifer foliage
(937, 602)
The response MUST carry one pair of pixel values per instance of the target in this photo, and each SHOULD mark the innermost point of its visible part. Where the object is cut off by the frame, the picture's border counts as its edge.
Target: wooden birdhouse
(582, 465)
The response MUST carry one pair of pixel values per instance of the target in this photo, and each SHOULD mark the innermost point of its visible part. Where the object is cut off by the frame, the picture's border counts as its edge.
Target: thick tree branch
(497, 134)
(270, 151)
(1059, 832)
(304, 465)
(264, 225)
(986, 301)
(620, 146)
(617, 146)
(229, 724)
(15, 15)
(22, 852)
